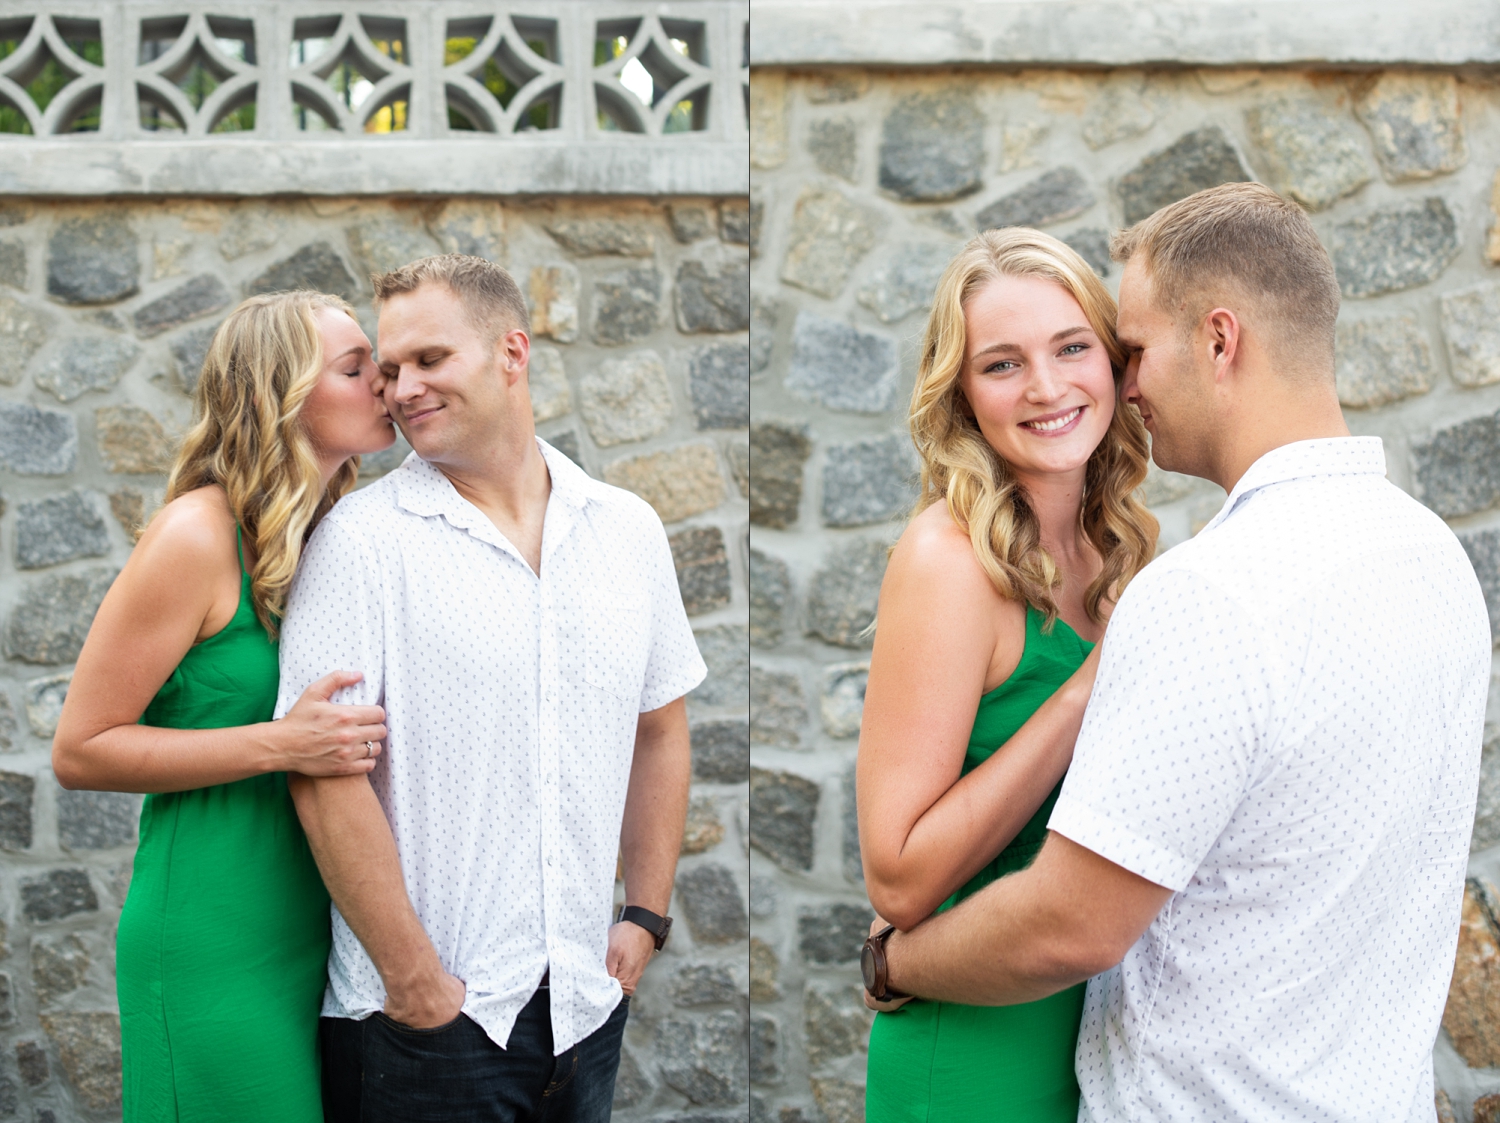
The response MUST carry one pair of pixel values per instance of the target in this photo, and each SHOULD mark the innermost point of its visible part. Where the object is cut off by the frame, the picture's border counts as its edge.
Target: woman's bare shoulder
(934, 547)
(195, 529)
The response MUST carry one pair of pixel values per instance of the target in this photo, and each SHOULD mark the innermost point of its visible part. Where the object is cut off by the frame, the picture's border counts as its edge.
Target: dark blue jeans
(380, 1071)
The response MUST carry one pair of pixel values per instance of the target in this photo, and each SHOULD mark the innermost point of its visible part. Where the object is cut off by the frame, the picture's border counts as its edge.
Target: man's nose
(1129, 391)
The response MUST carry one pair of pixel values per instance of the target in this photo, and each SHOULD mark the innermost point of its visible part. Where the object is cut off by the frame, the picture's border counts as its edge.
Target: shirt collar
(1325, 456)
(423, 490)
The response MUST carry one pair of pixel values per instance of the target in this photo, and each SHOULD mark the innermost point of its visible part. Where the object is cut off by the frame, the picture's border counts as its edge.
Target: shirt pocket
(618, 642)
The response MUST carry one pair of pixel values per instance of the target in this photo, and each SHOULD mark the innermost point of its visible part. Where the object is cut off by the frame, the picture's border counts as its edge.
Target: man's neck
(1282, 417)
(511, 486)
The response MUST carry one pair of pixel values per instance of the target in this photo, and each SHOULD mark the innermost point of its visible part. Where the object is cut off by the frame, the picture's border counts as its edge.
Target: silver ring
(369, 749)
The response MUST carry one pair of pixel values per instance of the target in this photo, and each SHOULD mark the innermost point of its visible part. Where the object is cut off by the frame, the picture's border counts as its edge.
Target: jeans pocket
(416, 1031)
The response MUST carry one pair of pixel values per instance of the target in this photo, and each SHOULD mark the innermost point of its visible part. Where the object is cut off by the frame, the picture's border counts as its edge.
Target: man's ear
(1221, 332)
(513, 349)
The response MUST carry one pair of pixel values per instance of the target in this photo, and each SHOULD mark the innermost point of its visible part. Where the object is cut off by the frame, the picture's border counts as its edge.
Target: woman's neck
(1057, 498)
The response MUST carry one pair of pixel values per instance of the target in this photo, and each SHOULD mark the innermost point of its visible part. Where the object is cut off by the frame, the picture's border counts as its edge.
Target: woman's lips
(1052, 424)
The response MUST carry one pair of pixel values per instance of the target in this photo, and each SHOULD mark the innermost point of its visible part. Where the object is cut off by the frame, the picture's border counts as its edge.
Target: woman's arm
(944, 630)
(173, 591)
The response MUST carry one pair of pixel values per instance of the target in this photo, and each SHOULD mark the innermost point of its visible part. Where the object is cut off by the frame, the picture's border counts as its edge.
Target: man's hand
(884, 1007)
(428, 1003)
(630, 949)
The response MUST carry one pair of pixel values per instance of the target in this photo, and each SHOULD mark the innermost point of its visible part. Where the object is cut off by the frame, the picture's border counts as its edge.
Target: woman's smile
(1055, 424)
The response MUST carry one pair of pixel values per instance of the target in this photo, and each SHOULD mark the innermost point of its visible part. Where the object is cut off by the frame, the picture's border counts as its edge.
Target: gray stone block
(58, 968)
(841, 367)
(721, 750)
(627, 305)
(1415, 123)
(57, 894)
(96, 820)
(1471, 328)
(189, 301)
(770, 590)
(1092, 244)
(834, 146)
(475, 227)
(1483, 548)
(703, 829)
(719, 385)
(739, 466)
(1313, 154)
(380, 245)
(831, 935)
(631, 1084)
(854, 869)
(1382, 360)
(1394, 248)
(189, 350)
(726, 650)
(547, 381)
(1193, 162)
(60, 528)
(37, 442)
(52, 617)
(755, 215)
(778, 711)
(1059, 194)
(1487, 810)
(835, 1023)
(738, 220)
(554, 301)
(932, 147)
(691, 221)
(44, 698)
(1119, 111)
(869, 481)
(711, 904)
(762, 333)
(88, 1045)
(783, 817)
(315, 266)
(703, 984)
(765, 901)
(1457, 469)
(841, 699)
(626, 399)
(707, 1061)
(713, 296)
(23, 330)
(567, 443)
(842, 595)
(702, 568)
(93, 260)
(13, 265)
(908, 282)
(85, 362)
(828, 236)
(17, 795)
(777, 453)
(765, 1049)
(7, 742)
(31, 1061)
(598, 237)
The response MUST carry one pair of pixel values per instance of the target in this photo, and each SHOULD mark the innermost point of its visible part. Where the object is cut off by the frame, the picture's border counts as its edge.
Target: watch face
(867, 967)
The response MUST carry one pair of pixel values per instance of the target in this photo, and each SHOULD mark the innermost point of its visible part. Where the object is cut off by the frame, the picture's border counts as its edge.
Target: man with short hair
(522, 626)
(1260, 846)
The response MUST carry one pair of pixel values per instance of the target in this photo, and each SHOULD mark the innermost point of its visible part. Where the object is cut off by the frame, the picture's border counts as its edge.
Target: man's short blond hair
(1246, 240)
(488, 293)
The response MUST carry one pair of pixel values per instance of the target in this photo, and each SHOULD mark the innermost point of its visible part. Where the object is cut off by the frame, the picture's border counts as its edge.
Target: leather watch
(872, 966)
(660, 927)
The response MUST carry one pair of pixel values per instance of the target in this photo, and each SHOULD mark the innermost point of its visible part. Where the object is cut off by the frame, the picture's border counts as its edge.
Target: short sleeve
(333, 619)
(673, 665)
(1174, 729)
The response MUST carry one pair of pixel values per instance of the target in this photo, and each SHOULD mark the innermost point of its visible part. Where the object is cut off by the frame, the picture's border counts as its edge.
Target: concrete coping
(1089, 33)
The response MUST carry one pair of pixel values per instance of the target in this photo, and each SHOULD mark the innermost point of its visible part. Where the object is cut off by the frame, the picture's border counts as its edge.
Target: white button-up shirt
(1285, 731)
(511, 699)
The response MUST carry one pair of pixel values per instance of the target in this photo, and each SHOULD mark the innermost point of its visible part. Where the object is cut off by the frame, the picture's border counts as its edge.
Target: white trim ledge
(1079, 33)
(394, 166)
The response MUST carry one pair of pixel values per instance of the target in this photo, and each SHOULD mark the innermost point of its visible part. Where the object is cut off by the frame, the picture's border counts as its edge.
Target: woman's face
(345, 414)
(1036, 376)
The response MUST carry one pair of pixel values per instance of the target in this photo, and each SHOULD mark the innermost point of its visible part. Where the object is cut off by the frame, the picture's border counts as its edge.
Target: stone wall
(106, 307)
(864, 183)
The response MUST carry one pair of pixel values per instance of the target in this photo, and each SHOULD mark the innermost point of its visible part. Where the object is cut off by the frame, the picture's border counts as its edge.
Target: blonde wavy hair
(982, 493)
(262, 364)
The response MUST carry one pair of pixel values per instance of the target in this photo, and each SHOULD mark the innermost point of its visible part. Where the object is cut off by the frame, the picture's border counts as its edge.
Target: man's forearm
(656, 807)
(356, 854)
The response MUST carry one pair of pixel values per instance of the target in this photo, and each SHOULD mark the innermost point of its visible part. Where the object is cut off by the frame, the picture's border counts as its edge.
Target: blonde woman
(224, 937)
(995, 597)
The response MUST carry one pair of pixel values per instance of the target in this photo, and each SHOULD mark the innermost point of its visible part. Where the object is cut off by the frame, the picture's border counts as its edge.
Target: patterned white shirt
(1285, 730)
(511, 701)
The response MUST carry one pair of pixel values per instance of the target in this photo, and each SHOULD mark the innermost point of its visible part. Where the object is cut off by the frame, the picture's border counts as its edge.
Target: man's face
(1164, 378)
(446, 387)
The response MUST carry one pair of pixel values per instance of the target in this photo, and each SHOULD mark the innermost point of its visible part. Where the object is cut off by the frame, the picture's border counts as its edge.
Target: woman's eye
(352, 373)
(1004, 366)
(1075, 348)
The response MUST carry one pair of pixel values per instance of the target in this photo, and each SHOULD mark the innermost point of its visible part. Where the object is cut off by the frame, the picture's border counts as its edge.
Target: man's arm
(651, 833)
(1068, 917)
(356, 854)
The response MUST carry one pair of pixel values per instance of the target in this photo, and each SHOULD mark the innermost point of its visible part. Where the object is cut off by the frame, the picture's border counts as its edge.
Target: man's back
(1286, 731)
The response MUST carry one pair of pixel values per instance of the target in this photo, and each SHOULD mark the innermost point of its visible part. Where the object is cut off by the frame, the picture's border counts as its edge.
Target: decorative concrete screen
(158, 163)
(883, 135)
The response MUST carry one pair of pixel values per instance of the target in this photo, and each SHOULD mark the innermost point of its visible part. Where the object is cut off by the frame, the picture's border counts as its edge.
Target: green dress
(941, 1062)
(222, 949)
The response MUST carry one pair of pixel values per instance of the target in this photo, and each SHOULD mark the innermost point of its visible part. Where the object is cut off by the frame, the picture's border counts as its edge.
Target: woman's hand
(319, 738)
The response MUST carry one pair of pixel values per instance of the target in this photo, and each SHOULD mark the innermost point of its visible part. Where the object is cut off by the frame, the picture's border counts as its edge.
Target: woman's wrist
(270, 747)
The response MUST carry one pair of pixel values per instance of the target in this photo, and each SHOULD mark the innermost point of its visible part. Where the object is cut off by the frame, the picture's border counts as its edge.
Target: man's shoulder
(616, 509)
(373, 505)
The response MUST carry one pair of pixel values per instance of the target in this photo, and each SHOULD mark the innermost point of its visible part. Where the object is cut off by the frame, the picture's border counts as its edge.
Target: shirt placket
(549, 747)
